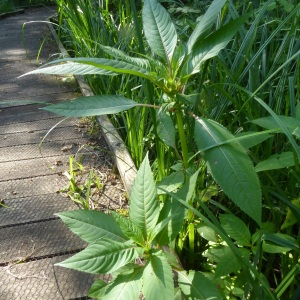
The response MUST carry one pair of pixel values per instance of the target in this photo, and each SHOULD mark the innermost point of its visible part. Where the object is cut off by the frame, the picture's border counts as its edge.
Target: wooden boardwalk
(32, 239)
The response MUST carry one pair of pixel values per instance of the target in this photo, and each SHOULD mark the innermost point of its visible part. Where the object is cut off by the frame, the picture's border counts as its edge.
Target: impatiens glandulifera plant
(172, 65)
(198, 142)
(137, 250)
(131, 250)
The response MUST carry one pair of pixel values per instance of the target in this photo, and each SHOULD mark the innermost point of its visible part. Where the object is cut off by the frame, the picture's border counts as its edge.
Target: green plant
(11, 5)
(6, 6)
(131, 249)
(202, 148)
(80, 188)
(170, 74)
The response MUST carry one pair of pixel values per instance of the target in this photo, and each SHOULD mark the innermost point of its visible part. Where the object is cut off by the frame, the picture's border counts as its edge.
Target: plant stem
(184, 148)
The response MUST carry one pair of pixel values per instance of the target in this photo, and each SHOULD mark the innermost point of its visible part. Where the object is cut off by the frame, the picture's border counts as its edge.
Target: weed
(83, 185)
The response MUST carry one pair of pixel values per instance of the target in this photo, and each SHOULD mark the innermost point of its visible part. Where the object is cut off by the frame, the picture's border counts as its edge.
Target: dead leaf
(58, 163)
(66, 148)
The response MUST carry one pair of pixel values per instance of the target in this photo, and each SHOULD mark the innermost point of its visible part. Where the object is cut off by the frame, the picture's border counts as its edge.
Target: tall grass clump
(85, 26)
(211, 92)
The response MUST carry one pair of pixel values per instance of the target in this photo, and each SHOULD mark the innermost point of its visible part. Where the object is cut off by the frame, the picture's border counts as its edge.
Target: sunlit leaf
(131, 230)
(139, 62)
(205, 23)
(276, 161)
(97, 290)
(291, 218)
(101, 66)
(207, 233)
(144, 206)
(236, 229)
(159, 30)
(230, 166)
(211, 46)
(194, 285)
(125, 286)
(92, 106)
(91, 225)
(158, 278)
(170, 183)
(104, 256)
(165, 128)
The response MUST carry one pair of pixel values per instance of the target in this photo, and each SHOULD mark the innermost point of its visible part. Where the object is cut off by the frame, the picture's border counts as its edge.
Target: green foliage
(7, 6)
(116, 242)
(240, 182)
(88, 106)
(80, 188)
(213, 95)
(194, 285)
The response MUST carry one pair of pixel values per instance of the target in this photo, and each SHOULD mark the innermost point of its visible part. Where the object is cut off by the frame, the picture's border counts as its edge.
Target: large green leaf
(137, 61)
(97, 290)
(176, 211)
(104, 256)
(207, 233)
(211, 46)
(159, 30)
(276, 161)
(270, 122)
(165, 128)
(291, 124)
(250, 139)
(158, 278)
(236, 229)
(230, 166)
(247, 139)
(194, 285)
(279, 243)
(92, 106)
(291, 216)
(144, 206)
(170, 183)
(226, 261)
(125, 286)
(131, 230)
(102, 66)
(91, 225)
(205, 23)
(63, 67)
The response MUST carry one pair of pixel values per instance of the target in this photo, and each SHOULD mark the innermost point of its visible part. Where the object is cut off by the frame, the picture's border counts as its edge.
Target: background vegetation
(239, 229)
(11, 5)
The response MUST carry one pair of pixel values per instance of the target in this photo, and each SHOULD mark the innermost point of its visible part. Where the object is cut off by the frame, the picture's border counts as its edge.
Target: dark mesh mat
(38, 239)
(33, 239)
(33, 208)
(41, 280)
(36, 136)
(45, 124)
